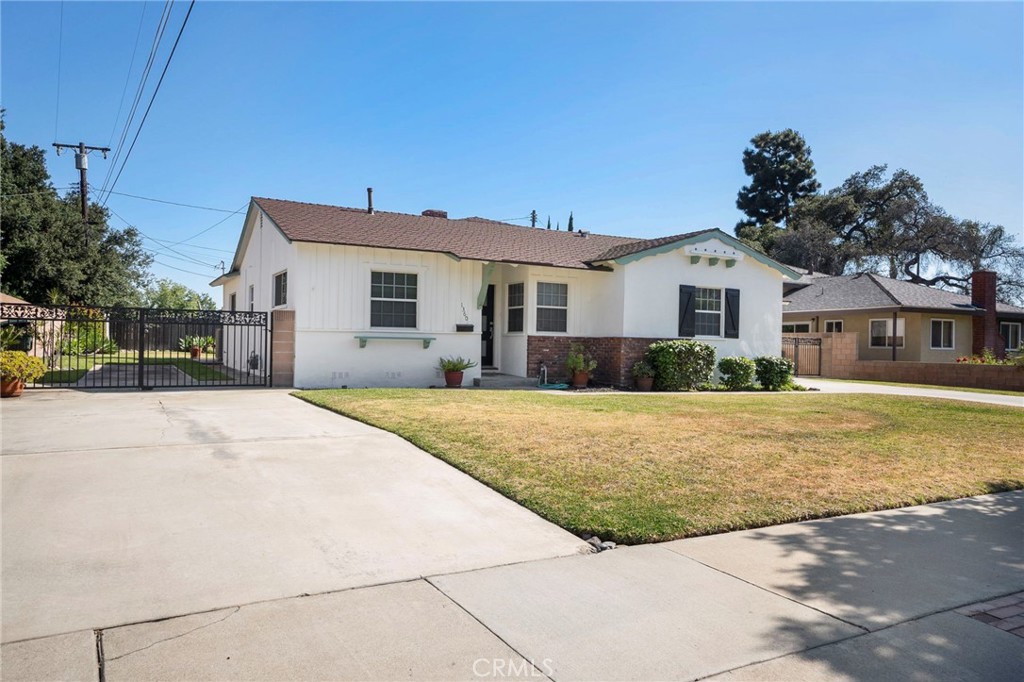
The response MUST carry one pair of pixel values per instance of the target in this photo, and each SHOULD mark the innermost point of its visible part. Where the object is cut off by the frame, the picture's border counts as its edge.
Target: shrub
(455, 364)
(16, 364)
(642, 370)
(187, 343)
(737, 373)
(578, 360)
(773, 373)
(680, 365)
(987, 357)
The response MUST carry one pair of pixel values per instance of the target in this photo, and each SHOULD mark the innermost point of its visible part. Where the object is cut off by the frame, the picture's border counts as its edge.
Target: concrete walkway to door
(123, 507)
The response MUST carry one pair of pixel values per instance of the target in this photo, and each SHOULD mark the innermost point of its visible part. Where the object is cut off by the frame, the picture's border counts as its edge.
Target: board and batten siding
(332, 307)
(651, 299)
(267, 253)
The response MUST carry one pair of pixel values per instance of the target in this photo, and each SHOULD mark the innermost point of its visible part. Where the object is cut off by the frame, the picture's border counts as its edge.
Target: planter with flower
(16, 369)
(193, 344)
(579, 365)
(454, 370)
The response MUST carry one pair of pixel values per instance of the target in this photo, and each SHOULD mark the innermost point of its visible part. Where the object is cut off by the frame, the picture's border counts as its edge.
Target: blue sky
(634, 116)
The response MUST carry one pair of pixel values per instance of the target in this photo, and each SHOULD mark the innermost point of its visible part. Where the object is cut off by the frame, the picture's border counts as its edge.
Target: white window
(516, 301)
(281, 288)
(833, 326)
(252, 297)
(796, 328)
(552, 307)
(393, 299)
(943, 335)
(1010, 331)
(234, 301)
(882, 336)
(708, 312)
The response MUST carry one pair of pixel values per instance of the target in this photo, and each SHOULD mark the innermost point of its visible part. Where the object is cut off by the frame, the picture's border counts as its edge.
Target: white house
(379, 297)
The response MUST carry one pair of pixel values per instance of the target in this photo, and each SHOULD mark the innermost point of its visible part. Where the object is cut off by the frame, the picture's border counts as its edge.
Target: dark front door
(487, 333)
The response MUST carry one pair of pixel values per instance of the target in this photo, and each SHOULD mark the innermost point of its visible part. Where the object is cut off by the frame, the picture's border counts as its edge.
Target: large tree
(166, 293)
(888, 224)
(781, 172)
(46, 250)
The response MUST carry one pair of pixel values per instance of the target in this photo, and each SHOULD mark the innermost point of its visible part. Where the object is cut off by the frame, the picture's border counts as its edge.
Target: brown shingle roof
(472, 238)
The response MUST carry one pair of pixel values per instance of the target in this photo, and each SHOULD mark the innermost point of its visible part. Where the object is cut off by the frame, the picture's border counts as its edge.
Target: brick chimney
(985, 328)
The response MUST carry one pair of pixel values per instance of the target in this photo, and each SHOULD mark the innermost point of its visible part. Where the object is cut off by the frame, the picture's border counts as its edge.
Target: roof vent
(435, 213)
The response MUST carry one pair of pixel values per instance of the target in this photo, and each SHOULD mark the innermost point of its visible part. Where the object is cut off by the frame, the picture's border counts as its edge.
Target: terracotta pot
(11, 388)
(196, 350)
(453, 379)
(644, 383)
(580, 379)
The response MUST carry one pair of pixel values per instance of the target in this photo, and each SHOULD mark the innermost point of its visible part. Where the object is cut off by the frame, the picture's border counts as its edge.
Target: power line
(128, 76)
(152, 99)
(191, 272)
(60, 58)
(41, 191)
(158, 35)
(202, 232)
(159, 245)
(172, 203)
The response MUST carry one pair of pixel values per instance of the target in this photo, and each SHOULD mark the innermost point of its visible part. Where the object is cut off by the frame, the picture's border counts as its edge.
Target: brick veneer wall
(282, 348)
(615, 356)
(999, 378)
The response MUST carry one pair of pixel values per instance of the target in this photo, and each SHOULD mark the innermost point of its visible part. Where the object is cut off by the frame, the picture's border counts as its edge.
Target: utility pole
(533, 218)
(82, 164)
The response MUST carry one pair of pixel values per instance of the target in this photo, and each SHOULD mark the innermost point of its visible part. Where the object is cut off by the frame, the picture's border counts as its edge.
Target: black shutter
(687, 318)
(732, 313)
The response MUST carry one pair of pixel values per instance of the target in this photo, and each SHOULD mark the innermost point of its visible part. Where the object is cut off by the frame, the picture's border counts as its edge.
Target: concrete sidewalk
(840, 386)
(864, 597)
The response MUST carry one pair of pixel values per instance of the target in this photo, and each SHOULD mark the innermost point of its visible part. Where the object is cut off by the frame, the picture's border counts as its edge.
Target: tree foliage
(166, 293)
(873, 221)
(48, 253)
(781, 172)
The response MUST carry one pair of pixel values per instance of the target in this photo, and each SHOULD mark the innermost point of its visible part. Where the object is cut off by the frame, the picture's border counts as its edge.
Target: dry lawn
(641, 468)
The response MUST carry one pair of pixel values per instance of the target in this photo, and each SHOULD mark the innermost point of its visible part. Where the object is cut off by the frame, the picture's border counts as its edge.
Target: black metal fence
(805, 353)
(88, 347)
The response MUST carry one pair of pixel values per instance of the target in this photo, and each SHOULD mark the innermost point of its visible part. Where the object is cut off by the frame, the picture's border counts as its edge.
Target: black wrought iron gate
(89, 347)
(805, 353)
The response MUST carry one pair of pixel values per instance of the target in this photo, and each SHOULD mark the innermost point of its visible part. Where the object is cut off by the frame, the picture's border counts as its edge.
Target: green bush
(578, 361)
(773, 373)
(681, 365)
(737, 373)
(82, 337)
(16, 364)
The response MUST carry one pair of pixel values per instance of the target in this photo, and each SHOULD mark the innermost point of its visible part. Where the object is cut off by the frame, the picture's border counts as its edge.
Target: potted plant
(453, 368)
(193, 344)
(643, 375)
(16, 368)
(579, 365)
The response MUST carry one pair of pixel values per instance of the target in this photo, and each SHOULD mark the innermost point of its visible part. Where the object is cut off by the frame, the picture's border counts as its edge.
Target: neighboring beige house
(378, 296)
(930, 325)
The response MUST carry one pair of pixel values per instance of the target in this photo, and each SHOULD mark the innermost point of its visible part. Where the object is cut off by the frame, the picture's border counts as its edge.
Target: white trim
(394, 270)
(1020, 330)
(522, 306)
(900, 321)
(786, 323)
(952, 333)
(833, 322)
(720, 312)
(273, 289)
(537, 306)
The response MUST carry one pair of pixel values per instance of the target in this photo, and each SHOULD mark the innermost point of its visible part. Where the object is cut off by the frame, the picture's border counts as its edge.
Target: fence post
(142, 349)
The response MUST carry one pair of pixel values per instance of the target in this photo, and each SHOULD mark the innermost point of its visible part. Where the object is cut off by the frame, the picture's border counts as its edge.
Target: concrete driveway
(128, 507)
(840, 386)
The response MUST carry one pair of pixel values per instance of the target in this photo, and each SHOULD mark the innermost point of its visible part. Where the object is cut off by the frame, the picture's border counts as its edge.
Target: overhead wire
(128, 76)
(143, 79)
(152, 98)
(172, 203)
(160, 247)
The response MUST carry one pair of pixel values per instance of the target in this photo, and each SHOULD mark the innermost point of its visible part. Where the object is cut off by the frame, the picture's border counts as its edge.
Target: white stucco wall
(651, 299)
(332, 307)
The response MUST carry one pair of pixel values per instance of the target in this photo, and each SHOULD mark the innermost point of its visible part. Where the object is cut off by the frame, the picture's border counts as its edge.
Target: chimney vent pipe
(369, 200)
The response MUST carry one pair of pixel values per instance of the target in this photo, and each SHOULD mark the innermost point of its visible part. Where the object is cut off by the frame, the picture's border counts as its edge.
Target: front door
(487, 333)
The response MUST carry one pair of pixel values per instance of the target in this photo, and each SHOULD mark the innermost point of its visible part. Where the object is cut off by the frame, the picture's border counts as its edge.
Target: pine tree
(549, 222)
(570, 221)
